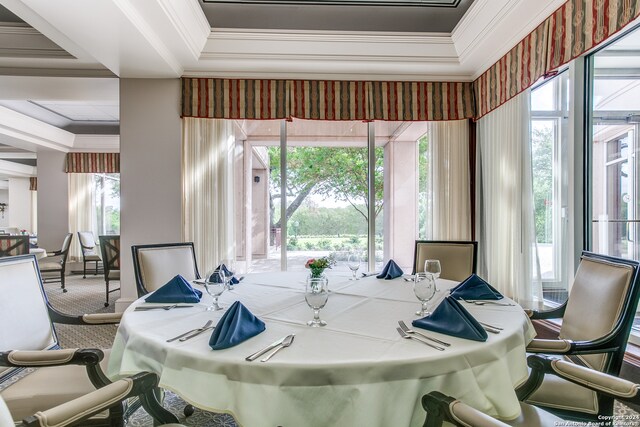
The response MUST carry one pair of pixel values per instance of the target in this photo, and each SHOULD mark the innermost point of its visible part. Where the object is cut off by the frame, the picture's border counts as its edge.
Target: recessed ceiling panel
(83, 111)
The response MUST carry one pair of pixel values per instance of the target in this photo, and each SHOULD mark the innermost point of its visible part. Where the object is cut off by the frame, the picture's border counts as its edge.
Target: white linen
(355, 371)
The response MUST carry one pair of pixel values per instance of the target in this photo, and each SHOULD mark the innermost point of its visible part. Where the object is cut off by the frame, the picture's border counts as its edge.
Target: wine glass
(230, 264)
(316, 295)
(433, 266)
(215, 284)
(353, 262)
(424, 286)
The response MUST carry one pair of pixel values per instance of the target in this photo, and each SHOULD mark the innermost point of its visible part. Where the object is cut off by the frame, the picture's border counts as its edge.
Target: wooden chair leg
(62, 281)
(106, 304)
(96, 273)
(84, 269)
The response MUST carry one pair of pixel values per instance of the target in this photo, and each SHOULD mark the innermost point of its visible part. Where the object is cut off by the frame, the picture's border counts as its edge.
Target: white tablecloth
(356, 371)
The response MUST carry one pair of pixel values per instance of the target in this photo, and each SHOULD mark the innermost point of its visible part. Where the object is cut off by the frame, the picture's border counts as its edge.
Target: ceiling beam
(17, 170)
(21, 131)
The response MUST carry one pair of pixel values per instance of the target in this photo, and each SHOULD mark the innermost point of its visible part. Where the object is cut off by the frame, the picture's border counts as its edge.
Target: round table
(355, 371)
(38, 252)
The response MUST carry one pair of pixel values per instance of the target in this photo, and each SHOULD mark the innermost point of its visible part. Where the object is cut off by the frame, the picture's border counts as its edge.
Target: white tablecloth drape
(356, 371)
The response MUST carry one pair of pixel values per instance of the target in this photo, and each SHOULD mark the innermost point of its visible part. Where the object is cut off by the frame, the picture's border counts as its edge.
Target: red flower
(309, 262)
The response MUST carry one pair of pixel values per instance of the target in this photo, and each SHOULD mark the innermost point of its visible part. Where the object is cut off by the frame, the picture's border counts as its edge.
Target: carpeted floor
(87, 296)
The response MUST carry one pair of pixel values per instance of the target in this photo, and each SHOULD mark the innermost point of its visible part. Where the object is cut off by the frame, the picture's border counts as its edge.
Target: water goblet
(424, 285)
(353, 262)
(215, 284)
(433, 266)
(230, 264)
(316, 294)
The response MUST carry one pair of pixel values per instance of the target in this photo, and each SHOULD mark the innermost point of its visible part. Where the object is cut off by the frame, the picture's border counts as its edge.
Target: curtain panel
(92, 163)
(33, 183)
(81, 210)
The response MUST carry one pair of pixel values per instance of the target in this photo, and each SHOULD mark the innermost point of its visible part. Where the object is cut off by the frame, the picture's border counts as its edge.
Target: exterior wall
(20, 204)
(150, 170)
(53, 200)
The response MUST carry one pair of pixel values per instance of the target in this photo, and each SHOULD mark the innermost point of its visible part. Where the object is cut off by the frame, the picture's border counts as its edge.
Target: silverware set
(405, 335)
(408, 330)
(273, 348)
(487, 302)
(160, 307)
(193, 332)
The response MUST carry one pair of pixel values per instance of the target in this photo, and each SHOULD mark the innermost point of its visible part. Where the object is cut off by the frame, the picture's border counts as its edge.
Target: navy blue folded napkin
(216, 279)
(174, 291)
(390, 271)
(237, 325)
(474, 287)
(451, 318)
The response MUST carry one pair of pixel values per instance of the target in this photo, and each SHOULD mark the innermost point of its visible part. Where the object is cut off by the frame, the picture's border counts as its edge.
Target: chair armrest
(97, 401)
(569, 347)
(556, 313)
(550, 346)
(441, 408)
(42, 358)
(102, 318)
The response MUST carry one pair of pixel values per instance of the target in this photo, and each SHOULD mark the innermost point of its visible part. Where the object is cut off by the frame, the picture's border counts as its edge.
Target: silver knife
(259, 353)
(160, 307)
(196, 333)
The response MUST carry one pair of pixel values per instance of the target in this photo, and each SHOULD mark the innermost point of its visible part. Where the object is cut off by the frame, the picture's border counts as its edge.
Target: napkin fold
(216, 279)
(474, 287)
(390, 271)
(451, 318)
(238, 324)
(174, 291)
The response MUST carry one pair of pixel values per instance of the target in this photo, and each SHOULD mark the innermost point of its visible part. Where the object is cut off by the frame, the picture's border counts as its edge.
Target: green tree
(542, 165)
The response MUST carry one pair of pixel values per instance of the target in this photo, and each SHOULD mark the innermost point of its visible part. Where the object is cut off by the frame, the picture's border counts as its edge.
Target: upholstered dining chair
(89, 251)
(110, 247)
(441, 408)
(154, 265)
(30, 341)
(14, 245)
(596, 321)
(56, 263)
(458, 259)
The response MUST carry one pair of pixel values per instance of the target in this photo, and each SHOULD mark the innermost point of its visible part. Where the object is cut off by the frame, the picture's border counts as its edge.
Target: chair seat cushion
(50, 266)
(534, 417)
(92, 257)
(48, 387)
(114, 275)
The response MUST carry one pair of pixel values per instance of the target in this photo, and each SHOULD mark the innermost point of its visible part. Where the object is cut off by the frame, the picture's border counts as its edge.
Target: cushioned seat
(56, 262)
(156, 264)
(458, 259)
(89, 251)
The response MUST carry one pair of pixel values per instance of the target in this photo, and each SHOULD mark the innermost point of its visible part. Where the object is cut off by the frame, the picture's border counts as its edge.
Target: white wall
(4, 198)
(53, 200)
(150, 170)
(20, 204)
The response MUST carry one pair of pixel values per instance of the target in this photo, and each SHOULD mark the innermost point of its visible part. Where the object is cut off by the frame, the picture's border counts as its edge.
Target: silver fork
(408, 330)
(485, 302)
(409, 337)
(206, 325)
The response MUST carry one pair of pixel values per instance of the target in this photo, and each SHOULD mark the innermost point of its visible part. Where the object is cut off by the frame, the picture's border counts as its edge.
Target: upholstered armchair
(89, 251)
(56, 263)
(30, 341)
(154, 265)
(458, 259)
(110, 247)
(596, 321)
(14, 245)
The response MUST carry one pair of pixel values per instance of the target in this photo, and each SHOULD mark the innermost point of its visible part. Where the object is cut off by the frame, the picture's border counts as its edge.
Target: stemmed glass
(215, 284)
(316, 295)
(353, 262)
(424, 286)
(230, 263)
(433, 266)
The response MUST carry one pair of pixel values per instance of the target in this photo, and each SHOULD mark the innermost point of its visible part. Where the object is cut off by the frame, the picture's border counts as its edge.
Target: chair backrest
(602, 305)
(110, 247)
(458, 259)
(5, 416)
(14, 245)
(87, 242)
(155, 265)
(24, 314)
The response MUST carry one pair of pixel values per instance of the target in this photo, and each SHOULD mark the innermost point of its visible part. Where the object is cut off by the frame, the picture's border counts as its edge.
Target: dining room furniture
(38, 252)
(14, 245)
(55, 263)
(458, 258)
(89, 251)
(110, 247)
(357, 370)
(596, 321)
(155, 264)
(29, 340)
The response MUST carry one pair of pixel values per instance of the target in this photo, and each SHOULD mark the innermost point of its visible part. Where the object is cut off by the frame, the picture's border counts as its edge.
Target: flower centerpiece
(318, 265)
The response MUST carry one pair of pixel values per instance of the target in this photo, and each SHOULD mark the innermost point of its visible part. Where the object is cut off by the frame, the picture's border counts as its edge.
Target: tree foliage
(542, 165)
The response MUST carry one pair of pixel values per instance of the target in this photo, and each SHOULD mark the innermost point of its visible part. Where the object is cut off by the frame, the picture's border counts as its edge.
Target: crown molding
(189, 21)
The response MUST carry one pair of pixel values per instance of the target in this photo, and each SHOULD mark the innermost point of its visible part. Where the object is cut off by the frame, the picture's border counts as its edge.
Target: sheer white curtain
(449, 215)
(207, 189)
(81, 209)
(505, 215)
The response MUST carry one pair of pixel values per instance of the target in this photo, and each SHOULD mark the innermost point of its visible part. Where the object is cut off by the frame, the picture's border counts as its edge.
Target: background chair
(14, 245)
(458, 259)
(89, 252)
(110, 247)
(597, 318)
(154, 265)
(56, 262)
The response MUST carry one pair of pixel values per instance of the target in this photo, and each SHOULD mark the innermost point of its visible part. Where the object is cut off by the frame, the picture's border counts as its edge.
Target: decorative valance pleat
(33, 183)
(330, 100)
(92, 163)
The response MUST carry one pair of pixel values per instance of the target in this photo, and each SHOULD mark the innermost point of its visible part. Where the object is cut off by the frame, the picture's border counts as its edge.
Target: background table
(356, 371)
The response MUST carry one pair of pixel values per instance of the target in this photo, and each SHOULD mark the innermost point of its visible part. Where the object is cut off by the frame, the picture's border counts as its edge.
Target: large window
(106, 191)
(549, 156)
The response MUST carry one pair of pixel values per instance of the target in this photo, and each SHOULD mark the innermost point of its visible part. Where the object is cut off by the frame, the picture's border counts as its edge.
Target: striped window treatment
(33, 183)
(92, 163)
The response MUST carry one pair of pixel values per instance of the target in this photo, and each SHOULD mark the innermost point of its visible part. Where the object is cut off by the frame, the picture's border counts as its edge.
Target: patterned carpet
(87, 296)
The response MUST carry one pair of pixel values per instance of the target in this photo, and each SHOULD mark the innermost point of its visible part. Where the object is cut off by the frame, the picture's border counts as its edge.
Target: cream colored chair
(596, 321)
(56, 263)
(458, 259)
(28, 340)
(110, 247)
(154, 265)
(89, 252)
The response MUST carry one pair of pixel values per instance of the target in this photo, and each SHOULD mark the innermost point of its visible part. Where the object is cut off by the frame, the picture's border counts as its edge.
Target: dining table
(355, 371)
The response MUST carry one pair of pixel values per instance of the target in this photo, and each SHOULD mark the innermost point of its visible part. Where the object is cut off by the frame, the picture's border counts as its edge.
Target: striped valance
(92, 163)
(326, 100)
(33, 183)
